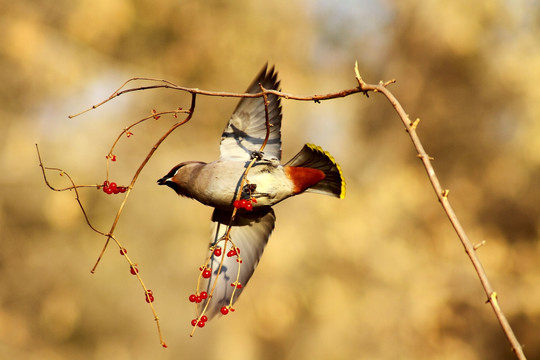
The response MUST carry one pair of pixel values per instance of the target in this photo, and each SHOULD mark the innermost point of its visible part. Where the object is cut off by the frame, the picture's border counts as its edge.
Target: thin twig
(138, 172)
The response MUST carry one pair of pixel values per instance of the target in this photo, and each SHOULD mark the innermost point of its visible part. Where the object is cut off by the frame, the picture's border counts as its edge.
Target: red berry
(122, 189)
(206, 273)
(123, 251)
(149, 297)
(198, 299)
(237, 250)
(236, 204)
(224, 310)
(243, 203)
(249, 206)
(113, 185)
(204, 295)
(200, 324)
(193, 322)
(108, 190)
(254, 200)
(204, 318)
(133, 270)
(105, 183)
(113, 157)
(116, 190)
(192, 298)
(239, 285)
(217, 251)
(231, 252)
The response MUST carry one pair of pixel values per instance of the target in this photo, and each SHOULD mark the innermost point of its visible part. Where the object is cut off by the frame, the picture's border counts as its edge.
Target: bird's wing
(249, 233)
(246, 129)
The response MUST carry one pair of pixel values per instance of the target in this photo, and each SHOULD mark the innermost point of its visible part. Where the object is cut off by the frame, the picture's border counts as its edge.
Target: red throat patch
(303, 178)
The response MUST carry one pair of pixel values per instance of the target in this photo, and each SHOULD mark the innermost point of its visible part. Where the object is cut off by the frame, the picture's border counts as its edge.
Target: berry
(224, 310)
(123, 251)
(113, 157)
(133, 270)
(204, 295)
(243, 203)
(198, 299)
(108, 190)
(249, 206)
(204, 318)
(192, 298)
(113, 185)
(236, 204)
(206, 273)
(254, 200)
(116, 190)
(193, 322)
(149, 297)
(217, 251)
(122, 189)
(200, 324)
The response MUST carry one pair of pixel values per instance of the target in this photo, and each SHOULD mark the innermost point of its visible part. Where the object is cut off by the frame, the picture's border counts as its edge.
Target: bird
(243, 218)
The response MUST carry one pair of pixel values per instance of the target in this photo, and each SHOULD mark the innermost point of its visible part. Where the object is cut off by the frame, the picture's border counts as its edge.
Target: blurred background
(379, 275)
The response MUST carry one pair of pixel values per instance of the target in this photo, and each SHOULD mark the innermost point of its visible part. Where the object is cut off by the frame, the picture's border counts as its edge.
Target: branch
(442, 195)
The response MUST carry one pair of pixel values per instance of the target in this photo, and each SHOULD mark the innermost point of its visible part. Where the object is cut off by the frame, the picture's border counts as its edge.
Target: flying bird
(219, 184)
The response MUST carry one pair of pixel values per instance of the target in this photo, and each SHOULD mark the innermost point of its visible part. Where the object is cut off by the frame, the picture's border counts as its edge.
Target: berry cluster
(225, 309)
(194, 298)
(201, 322)
(237, 284)
(149, 296)
(246, 204)
(233, 252)
(112, 188)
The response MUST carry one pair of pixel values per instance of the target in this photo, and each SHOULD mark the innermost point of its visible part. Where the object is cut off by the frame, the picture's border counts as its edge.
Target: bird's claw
(257, 155)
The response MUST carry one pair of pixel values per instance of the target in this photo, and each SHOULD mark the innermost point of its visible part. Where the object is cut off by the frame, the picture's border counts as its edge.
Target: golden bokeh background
(379, 275)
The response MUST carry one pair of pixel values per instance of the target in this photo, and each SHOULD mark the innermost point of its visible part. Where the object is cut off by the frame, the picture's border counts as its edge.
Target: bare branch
(442, 195)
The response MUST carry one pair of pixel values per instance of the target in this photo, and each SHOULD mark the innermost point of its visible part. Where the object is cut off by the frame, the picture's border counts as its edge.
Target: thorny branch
(364, 88)
(442, 195)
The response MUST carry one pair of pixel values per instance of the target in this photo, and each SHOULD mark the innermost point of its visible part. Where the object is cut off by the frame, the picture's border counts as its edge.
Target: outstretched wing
(246, 130)
(249, 233)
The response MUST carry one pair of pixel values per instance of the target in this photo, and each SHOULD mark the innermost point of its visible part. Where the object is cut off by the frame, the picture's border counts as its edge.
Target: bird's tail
(314, 157)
